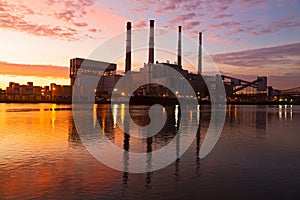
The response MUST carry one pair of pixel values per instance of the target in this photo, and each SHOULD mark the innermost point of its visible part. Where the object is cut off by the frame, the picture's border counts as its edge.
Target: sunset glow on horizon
(245, 38)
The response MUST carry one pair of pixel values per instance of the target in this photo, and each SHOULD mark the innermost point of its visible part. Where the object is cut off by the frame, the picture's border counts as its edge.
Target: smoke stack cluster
(128, 48)
(151, 43)
(151, 48)
(179, 47)
(200, 54)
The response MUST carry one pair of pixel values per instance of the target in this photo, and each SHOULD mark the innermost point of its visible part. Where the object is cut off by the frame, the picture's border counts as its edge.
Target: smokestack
(128, 48)
(179, 47)
(200, 54)
(151, 42)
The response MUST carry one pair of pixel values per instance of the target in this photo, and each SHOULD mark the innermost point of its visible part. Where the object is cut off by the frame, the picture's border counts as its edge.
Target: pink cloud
(66, 15)
(223, 16)
(284, 55)
(13, 22)
(217, 39)
(140, 24)
(227, 24)
(191, 25)
(19, 16)
(182, 18)
(80, 24)
(67, 20)
(291, 21)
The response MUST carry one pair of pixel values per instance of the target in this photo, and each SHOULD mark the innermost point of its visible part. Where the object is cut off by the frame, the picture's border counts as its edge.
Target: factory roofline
(93, 64)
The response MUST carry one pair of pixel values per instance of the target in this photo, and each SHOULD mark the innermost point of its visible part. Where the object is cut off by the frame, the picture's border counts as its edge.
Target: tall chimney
(179, 47)
(151, 42)
(128, 48)
(200, 54)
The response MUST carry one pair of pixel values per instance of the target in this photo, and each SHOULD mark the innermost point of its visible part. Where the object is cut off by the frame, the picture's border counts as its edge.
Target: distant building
(29, 92)
(17, 92)
(60, 92)
(2, 94)
(46, 93)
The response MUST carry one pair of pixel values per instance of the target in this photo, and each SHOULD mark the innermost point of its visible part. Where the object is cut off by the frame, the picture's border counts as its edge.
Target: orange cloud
(33, 70)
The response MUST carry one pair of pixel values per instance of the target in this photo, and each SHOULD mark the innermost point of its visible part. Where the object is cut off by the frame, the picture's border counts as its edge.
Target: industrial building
(107, 72)
(109, 77)
(237, 90)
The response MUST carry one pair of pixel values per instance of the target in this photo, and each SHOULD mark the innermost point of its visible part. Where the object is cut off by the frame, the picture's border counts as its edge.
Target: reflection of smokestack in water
(128, 48)
(179, 47)
(200, 54)
(151, 42)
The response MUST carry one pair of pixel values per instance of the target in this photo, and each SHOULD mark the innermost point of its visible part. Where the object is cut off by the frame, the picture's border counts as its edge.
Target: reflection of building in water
(241, 116)
(198, 139)
(108, 123)
(105, 119)
(126, 147)
(149, 161)
(261, 119)
(197, 155)
(285, 112)
(231, 114)
(73, 137)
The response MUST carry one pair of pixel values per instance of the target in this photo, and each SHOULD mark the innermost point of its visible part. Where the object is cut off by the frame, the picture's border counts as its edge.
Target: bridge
(291, 91)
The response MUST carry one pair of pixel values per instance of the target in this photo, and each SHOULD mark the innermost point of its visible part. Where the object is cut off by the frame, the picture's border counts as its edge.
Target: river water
(256, 157)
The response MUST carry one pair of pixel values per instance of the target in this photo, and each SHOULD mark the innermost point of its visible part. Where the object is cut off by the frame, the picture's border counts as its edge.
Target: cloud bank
(33, 70)
(284, 55)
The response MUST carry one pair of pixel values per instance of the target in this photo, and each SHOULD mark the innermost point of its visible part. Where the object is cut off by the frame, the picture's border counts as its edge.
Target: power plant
(237, 90)
(109, 76)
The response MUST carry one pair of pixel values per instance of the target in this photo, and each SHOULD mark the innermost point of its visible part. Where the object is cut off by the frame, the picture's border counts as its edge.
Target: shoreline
(151, 102)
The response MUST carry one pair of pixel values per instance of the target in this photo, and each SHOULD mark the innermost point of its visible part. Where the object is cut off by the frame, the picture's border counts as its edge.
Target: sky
(245, 38)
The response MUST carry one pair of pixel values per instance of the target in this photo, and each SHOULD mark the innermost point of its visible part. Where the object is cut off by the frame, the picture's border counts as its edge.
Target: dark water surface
(256, 157)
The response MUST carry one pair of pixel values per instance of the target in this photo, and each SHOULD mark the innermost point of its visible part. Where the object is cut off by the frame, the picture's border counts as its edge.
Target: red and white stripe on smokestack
(200, 54)
(151, 42)
(128, 48)
(179, 47)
